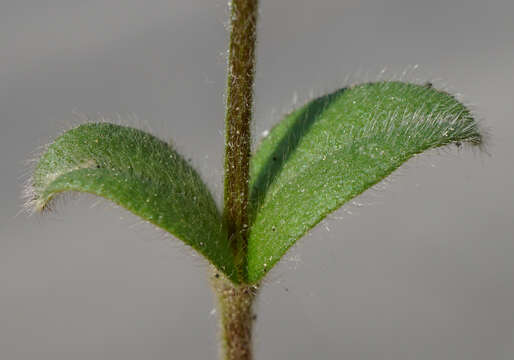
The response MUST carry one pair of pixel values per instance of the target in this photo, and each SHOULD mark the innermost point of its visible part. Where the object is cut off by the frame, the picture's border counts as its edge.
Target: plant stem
(235, 301)
(236, 317)
(241, 70)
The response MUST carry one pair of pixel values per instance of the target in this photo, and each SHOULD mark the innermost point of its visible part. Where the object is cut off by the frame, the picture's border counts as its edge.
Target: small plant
(315, 160)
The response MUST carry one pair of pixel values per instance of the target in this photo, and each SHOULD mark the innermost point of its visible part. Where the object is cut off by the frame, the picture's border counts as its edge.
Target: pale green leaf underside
(336, 147)
(140, 173)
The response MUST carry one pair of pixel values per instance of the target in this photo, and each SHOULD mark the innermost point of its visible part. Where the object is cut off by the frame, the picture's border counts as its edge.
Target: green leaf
(140, 173)
(336, 147)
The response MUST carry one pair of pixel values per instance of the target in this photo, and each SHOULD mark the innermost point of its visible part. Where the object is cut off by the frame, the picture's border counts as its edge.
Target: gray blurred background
(421, 267)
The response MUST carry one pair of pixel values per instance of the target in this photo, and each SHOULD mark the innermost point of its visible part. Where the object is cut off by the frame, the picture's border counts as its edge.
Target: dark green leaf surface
(336, 147)
(140, 173)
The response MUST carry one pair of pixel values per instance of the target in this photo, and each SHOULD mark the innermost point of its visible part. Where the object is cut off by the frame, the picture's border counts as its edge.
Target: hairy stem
(235, 301)
(241, 70)
(236, 317)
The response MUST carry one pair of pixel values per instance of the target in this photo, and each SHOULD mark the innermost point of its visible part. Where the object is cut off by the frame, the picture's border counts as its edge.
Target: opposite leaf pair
(319, 157)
